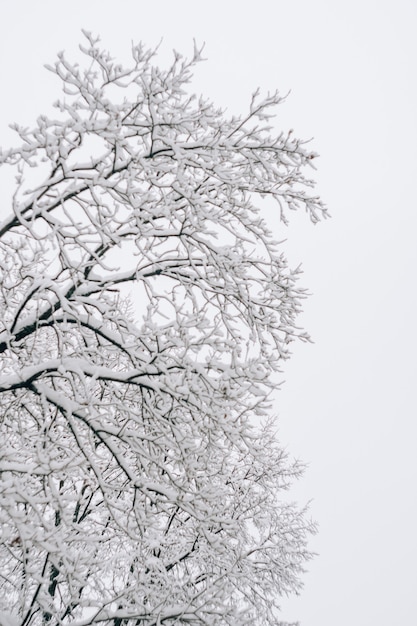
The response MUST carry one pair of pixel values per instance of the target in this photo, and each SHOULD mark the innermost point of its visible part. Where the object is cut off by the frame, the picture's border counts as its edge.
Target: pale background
(348, 406)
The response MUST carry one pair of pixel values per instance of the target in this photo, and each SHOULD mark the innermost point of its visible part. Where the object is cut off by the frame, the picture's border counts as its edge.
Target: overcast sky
(348, 406)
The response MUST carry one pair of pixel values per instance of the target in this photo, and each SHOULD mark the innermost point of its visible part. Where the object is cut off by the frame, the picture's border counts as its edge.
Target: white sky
(348, 407)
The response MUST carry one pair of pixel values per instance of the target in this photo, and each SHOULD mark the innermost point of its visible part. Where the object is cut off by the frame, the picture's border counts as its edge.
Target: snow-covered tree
(140, 477)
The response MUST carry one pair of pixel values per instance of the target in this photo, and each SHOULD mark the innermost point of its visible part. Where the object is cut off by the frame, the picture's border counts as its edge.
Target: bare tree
(140, 473)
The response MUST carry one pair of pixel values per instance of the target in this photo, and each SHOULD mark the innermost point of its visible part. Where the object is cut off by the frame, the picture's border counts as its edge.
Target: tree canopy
(141, 481)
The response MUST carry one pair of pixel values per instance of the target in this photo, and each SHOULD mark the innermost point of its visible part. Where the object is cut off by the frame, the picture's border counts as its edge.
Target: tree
(141, 477)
